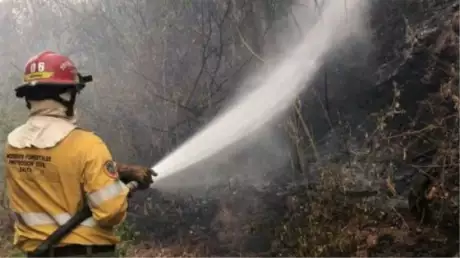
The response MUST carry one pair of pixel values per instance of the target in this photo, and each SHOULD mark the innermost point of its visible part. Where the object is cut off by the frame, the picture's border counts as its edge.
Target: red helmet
(49, 74)
(50, 68)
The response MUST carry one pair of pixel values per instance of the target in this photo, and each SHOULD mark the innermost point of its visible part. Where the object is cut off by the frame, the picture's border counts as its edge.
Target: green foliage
(128, 235)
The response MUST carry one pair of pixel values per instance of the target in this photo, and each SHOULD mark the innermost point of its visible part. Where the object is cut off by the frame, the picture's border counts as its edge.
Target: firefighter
(53, 166)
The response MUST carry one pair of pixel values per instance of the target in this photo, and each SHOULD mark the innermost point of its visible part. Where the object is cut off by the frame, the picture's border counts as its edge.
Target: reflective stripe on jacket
(46, 187)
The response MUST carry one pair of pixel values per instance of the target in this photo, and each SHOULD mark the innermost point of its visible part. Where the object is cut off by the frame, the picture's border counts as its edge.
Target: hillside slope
(394, 194)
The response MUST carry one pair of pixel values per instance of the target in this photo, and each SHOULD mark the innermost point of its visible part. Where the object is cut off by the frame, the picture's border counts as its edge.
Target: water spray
(271, 98)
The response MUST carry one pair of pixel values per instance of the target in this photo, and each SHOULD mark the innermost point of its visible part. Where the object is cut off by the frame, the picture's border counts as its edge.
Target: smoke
(252, 163)
(245, 139)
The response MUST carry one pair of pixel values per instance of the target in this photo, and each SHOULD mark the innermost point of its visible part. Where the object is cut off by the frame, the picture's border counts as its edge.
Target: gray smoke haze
(269, 95)
(148, 94)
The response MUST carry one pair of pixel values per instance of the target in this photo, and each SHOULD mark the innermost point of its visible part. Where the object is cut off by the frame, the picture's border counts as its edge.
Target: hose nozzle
(132, 185)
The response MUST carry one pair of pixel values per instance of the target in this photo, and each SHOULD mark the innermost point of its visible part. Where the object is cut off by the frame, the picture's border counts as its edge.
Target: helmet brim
(27, 88)
(56, 82)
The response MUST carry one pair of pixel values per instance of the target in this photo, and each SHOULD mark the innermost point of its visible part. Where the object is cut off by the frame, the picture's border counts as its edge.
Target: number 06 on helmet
(48, 75)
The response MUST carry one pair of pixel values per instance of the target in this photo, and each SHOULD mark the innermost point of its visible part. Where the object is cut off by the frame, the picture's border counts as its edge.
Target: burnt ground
(288, 219)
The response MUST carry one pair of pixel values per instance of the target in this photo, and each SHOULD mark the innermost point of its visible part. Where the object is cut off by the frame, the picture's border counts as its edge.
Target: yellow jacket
(45, 187)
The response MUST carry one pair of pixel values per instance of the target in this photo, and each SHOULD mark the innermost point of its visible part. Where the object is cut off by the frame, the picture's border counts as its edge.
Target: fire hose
(67, 227)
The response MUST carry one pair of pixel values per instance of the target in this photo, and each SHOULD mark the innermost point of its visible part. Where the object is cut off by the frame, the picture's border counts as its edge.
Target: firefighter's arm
(106, 194)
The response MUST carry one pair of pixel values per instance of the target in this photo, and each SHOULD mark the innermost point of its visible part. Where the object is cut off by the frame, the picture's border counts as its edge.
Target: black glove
(142, 175)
